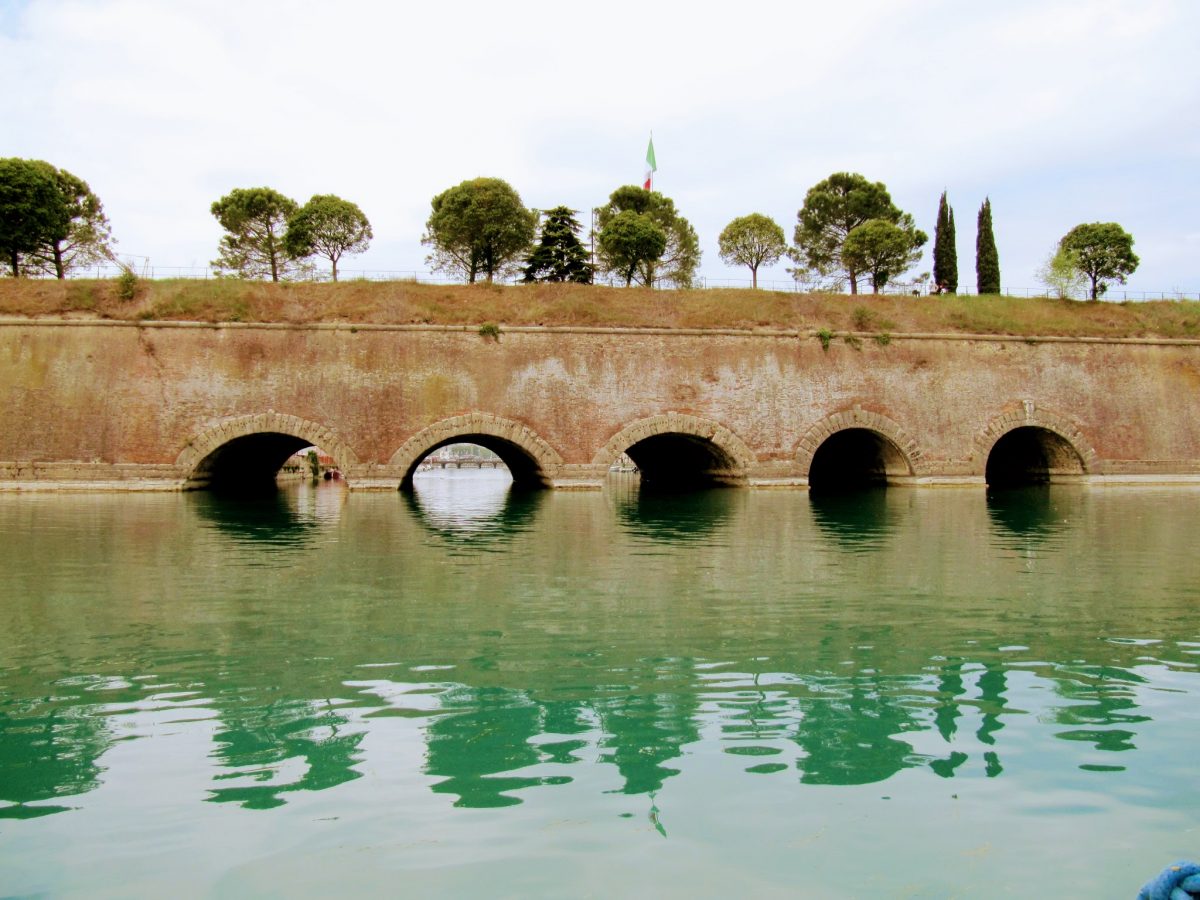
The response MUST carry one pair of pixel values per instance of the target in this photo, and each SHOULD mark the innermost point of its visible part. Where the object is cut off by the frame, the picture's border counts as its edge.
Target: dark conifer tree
(559, 256)
(987, 260)
(945, 254)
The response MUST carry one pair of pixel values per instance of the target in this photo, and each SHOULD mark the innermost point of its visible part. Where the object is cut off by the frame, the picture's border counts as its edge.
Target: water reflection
(1029, 516)
(856, 520)
(670, 517)
(288, 515)
(474, 508)
(738, 652)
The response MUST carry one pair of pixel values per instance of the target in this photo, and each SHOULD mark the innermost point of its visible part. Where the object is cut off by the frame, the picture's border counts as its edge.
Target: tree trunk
(14, 261)
(333, 260)
(59, 271)
(754, 277)
(1095, 292)
(853, 281)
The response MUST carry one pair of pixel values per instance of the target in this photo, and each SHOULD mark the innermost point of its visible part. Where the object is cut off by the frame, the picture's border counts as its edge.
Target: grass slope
(399, 303)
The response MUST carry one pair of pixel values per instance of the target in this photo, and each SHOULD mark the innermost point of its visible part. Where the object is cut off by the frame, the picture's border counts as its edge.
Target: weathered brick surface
(102, 402)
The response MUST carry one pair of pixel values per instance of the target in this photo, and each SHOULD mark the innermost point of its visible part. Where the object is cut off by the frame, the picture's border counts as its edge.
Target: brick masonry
(107, 405)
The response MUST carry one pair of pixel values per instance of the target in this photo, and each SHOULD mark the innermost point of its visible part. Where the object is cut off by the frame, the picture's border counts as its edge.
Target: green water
(912, 693)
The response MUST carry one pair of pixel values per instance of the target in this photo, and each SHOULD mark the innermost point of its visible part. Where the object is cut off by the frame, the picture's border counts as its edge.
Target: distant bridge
(93, 404)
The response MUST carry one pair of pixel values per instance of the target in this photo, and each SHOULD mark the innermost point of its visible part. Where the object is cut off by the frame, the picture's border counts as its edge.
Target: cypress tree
(987, 260)
(945, 255)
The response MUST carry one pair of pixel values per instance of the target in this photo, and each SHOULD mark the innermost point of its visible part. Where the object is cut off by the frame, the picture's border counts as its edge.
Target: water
(911, 693)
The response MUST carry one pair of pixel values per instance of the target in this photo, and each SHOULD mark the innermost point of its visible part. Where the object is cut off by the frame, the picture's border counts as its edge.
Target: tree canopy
(832, 209)
(559, 256)
(945, 250)
(34, 214)
(1060, 274)
(630, 244)
(754, 240)
(479, 227)
(675, 264)
(987, 260)
(256, 220)
(1103, 252)
(882, 250)
(327, 226)
(88, 239)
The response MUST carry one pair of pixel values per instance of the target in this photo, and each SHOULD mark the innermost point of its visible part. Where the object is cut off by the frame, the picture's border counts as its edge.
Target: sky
(1060, 111)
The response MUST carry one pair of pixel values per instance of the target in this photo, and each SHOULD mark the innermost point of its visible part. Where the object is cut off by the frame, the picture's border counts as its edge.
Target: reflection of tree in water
(847, 730)
(473, 512)
(484, 732)
(676, 516)
(1100, 697)
(1025, 516)
(856, 520)
(645, 728)
(48, 749)
(257, 742)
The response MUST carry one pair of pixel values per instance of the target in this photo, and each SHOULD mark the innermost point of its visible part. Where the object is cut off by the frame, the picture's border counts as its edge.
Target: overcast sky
(1062, 111)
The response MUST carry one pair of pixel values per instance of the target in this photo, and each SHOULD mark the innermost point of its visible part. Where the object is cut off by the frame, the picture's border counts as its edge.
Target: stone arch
(1068, 453)
(723, 456)
(206, 443)
(529, 458)
(906, 459)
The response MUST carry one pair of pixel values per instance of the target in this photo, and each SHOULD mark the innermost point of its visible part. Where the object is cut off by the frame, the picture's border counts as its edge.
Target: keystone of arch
(733, 447)
(271, 422)
(446, 431)
(1026, 414)
(857, 417)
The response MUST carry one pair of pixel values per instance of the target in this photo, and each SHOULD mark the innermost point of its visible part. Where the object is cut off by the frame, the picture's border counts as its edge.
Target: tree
(1060, 274)
(327, 226)
(559, 256)
(832, 209)
(754, 240)
(882, 250)
(987, 260)
(478, 227)
(1103, 252)
(33, 213)
(630, 244)
(679, 259)
(945, 253)
(256, 219)
(88, 239)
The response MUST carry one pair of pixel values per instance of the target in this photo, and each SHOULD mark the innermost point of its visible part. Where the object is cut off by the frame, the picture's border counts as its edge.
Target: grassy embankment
(398, 302)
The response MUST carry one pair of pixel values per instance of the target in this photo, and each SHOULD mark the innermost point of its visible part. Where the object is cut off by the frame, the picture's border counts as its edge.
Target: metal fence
(901, 288)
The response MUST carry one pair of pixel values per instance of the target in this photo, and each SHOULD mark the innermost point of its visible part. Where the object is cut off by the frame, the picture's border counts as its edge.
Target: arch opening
(856, 459)
(676, 461)
(1032, 455)
(252, 462)
(479, 452)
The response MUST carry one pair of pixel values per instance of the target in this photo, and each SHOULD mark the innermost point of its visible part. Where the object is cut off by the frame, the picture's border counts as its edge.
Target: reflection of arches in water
(860, 520)
(676, 451)
(1032, 455)
(272, 516)
(854, 459)
(1033, 513)
(246, 453)
(480, 509)
(675, 517)
(527, 457)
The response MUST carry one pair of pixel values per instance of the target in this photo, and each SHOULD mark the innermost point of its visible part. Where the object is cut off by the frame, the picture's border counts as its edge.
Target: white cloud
(1046, 105)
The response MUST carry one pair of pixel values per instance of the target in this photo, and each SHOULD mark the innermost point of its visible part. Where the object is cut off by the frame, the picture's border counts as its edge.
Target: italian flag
(651, 165)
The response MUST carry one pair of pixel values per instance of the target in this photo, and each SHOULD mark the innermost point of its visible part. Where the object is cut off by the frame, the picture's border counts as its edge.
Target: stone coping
(792, 333)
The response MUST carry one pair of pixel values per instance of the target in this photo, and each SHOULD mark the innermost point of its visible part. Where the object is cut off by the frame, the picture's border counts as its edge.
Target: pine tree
(987, 260)
(945, 255)
(559, 256)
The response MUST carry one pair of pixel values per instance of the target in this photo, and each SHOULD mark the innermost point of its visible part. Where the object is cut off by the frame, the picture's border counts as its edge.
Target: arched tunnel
(677, 461)
(1031, 455)
(525, 470)
(246, 464)
(855, 459)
